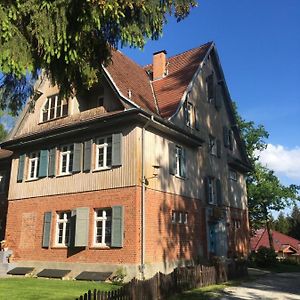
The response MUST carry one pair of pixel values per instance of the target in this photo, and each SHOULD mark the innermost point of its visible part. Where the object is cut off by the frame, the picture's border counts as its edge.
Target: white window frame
(212, 190)
(189, 114)
(233, 175)
(65, 221)
(102, 219)
(103, 146)
(213, 147)
(185, 220)
(48, 103)
(66, 153)
(174, 216)
(33, 162)
(2, 181)
(178, 160)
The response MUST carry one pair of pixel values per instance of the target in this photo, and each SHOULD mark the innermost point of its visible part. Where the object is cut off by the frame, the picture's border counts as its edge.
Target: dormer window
(54, 108)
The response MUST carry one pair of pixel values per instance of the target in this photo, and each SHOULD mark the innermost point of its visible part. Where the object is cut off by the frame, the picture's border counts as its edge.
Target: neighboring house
(5, 164)
(284, 245)
(144, 171)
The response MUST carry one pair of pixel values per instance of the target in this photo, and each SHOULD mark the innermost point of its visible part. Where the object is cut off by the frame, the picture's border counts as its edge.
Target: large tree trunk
(270, 235)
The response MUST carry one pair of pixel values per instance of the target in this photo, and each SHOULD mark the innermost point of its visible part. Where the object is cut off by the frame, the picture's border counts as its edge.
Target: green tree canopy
(71, 39)
(282, 224)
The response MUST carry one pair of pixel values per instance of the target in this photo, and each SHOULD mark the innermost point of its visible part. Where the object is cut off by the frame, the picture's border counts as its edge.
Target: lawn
(39, 288)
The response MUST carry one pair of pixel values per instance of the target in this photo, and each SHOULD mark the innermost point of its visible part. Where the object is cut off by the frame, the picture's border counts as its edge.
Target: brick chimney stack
(159, 64)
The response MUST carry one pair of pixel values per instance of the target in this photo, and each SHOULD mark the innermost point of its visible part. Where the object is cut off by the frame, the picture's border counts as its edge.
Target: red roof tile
(261, 239)
(128, 75)
(181, 69)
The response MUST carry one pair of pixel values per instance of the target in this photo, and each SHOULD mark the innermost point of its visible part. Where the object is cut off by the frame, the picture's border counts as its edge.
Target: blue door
(212, 238)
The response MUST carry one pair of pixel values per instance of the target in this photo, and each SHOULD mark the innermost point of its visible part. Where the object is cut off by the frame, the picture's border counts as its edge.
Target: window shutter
(21, 168)
(226, 136)
(72, 228)
(43, 163)
(197, 119)
(87, 155)
(77, 157)
(219, 192)
(183, 165)
(82, 227)
(206, 187)
(219, 148)
(218, 103)
(230, 138)
(117, 149)
(117, 226)
(52, 162)
(172, 160)
(47, 229)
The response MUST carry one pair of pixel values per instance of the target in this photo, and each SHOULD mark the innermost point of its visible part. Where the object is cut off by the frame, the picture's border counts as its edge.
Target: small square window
(233, 175)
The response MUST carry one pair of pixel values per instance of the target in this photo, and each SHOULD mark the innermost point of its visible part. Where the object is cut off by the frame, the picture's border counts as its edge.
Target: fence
(163, 285)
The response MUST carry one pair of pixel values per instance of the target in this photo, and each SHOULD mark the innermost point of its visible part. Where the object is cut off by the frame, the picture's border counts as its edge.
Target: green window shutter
(52, 162)
(117, 226)
(43, 163)
(230, 138)
(219, 192)
(117, 149)
(21, 168)
(226, 136)
(77, 158)
(219, 148)
(82, 227)
(183, 164)
(197, 119)
(206, 187)
(47, 229)
(172, 160)
(87, 155)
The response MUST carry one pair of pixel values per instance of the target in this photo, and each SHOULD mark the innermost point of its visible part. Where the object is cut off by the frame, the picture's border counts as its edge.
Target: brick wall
(25, 227)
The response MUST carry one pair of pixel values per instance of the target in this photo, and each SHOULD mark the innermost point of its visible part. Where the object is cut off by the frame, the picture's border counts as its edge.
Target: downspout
(143, 200)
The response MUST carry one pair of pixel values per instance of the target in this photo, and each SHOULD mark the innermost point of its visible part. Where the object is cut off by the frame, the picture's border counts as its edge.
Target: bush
(265, 257)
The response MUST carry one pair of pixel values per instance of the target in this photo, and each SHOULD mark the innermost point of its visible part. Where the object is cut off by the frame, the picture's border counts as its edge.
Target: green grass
(205, 293)
(284, 268)
(39, 288)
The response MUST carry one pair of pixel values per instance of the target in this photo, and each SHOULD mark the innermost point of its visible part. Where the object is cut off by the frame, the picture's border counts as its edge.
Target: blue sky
(259, 46)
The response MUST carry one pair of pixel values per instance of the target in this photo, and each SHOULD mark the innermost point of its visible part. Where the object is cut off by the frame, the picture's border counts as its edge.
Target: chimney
(159, 64)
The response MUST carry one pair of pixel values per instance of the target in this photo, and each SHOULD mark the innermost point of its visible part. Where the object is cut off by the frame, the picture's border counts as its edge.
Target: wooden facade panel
(125, 175)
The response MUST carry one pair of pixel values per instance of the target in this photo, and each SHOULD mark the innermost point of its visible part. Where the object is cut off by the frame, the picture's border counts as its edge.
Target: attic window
(54, 108)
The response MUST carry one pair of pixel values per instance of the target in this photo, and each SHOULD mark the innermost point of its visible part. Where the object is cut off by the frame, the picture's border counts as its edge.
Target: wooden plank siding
(125, 175)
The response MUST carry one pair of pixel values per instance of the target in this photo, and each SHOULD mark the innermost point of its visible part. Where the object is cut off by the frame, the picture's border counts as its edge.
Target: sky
(259, 47)
(258, 42)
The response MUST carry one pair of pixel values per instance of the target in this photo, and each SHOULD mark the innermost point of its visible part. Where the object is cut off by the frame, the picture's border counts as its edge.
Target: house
(145, 171)
(5, 162)
(284, 245)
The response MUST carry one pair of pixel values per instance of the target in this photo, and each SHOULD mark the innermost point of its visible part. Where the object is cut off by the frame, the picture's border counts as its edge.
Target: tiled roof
(279, 239)
(128, 75)
(168, 91)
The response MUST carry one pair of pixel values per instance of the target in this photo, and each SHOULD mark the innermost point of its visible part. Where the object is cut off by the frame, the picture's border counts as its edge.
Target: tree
(71, 39)
(282, 224)
(3, 132)
(265, 192)
(294, 221)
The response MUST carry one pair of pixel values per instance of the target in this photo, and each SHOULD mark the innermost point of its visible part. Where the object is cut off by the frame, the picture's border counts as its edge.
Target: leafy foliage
(3, 132)
(71, 39)
(265, 257)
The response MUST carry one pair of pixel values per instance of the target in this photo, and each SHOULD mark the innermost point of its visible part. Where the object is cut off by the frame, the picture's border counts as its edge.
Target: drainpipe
(143, 200)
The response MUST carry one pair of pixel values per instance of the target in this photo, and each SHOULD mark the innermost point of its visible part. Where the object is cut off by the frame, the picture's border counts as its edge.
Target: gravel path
(272, 286)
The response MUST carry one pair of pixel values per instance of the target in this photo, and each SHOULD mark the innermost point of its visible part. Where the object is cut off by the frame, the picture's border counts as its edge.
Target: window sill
(63, 175)
(59, 247)
(100, 247)
(50, 120)
(180, 177)
(31, 179)
(102, 169)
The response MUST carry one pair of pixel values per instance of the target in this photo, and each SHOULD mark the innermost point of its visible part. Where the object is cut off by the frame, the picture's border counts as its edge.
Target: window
(236, 223)
(102, 228)
(180, 217)
(63, 228)
(228, 137)
(66, 159)
(213, 150)
(55, 107)
(174, 216)
(189, 114)
(179, 162)
(2, 182)
(185, 220)
(212, 191)
(210, 88)
(104, 153)
(232, 175)
(33, 165)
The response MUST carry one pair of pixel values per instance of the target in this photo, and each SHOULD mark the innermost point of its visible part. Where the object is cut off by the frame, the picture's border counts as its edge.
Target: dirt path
(272, 286)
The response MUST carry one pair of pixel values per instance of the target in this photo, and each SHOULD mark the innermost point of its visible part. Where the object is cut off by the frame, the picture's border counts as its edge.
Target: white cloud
(282, 160)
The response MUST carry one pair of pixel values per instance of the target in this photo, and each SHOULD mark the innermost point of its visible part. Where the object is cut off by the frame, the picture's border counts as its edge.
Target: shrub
(265, 257)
